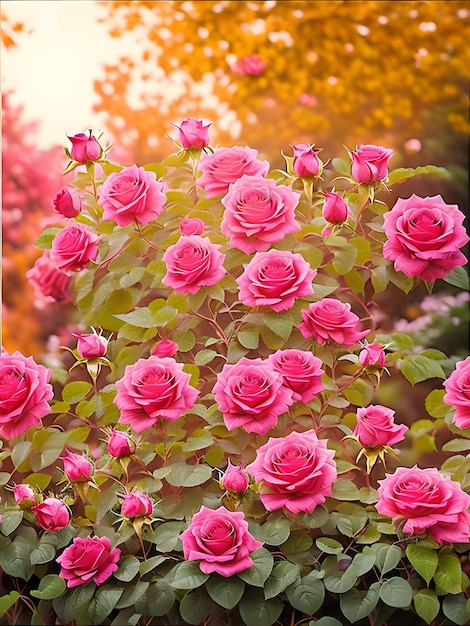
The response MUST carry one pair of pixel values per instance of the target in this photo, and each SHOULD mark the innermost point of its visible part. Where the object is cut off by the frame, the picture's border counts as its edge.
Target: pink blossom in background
(90, 345)
(85, 147)
(301, 372)
(191, 226)
(331, 320)
(457, 394)
(424, 236)
(235, 478)
(165, 347)
(226, 165)
(335, 210)
(193, 133)
(67, 202)
(308, 100)
(419, 500)
(376, 427)
(73, 247)
(24, 495)
(48, 282)
(51, 514)
(136, 504)
(219, 539)
(258, 213)
(372, 354)
(77, 467)
(306, 161)
(120, 444)
(250, 65)
(413, 145)
(295, 472)
(370, 163)
(88, 558)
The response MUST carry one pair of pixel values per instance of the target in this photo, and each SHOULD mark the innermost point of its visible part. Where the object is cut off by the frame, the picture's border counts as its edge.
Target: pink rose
(226, 165)
(119, 444)
(275, 279)
(375, 427)
(132, 194)
(424, 236)
(331, 319)
(73, 247)
(85, 148)
(219, 539)
(335, 210)
(165, 347)
(301, 372)
(77, 467)
(67, 202)
(24, 393)
(372, 354)
(251, 394)
(295, 472)
(457, 388)
(370, 163)
(258, 213)
(235, 478)
(51, 514)
(193, 133)
(251, 65)
(191, 226)
(191, 263)
(153, 388)
(423, 499)
(90, 345)
(48, 281)
(89, 558)
(24, 495)
(306, 161)
(136, 504)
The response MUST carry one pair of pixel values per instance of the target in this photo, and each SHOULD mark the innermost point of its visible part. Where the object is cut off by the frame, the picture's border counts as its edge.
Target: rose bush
(203, 447)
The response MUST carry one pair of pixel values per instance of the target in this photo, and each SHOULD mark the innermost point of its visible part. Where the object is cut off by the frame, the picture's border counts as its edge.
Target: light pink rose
(375, 427)
(335, 210)
(51, 514)
(151, 389)
(331, 319)
(191, 226)
(90, 345)
(251, 395)
(372, 354)
(85, 147)
(370, 163)
(219, 539)
(235, 478)
(24, 495)
(258, 213)
(226, 165)
(165, 347)
(424, 236)
(73, 247)
(77, 467)
(191, 263)
(120, 444)
(295, 472)
(275, 279)
(48, 282)
(249, 65)
(420, 500)
(136, 504)
(457, 388)
(89, 558)
(193, 133)
(306, 161)
(301, 372)
(24, 393)
(67, 202)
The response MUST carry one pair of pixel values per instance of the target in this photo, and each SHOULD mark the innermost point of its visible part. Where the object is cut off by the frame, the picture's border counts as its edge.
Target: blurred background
(268, 74)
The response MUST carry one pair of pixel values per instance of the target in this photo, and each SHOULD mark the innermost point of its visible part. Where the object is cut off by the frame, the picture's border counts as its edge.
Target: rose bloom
(85, 148)
(372, 354)
(48, 282)
(191, 226)
(370, 163)
(24, 393)
(136, 504)
(119, 444)
(331, 319)
(275, 279)
(226, 165)
(89, 558)
(375, 427)
(191, 263)
(235, 478)
(165, 347)
(67, 202)
(295, 472)
(335, 210)
(251, 394)
(420, 500)
(306, 161)
(424, 236)
(153, 388)
(219, 539)
(250, 65)
(73, 247)
(51, 514)
(77, 467)
(258, 213)
(457, 388)
(301, 372)
(132, 194)
(193, 133)
(24, 495)
(90, 345)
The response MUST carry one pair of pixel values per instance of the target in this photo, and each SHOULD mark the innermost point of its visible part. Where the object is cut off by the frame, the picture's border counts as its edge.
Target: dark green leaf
(356, 605)
(128, 568)
(307, 594)
(103, 602)
(195, 606)
(255, 610)
(157, 601)
(456, 608)
(225, 591)
(282, 575)
(396, 592)
(50, 587)
(459, 278)
(187, 575)
(257, 574)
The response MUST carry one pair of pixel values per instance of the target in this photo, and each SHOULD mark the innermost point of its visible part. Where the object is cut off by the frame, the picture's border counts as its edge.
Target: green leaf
(280, 324)
(11, 520)
(157, 601)
(282, 575)
(128, 568)
(249, 338)
(387, 556)
(77, 600)
(167, 535)
(203, 357)
(396, 592)
(225, 591)
(50, 587)
(448, 576)
(45, 239)
(255, 610)
(456, 608)
(184, 475)
(307, 594)
(132, 593)
(76, 391)
(275, 530)
(257, 574)
(20, 453)
(187, 575)
(379, 278)
(196, 606)
(435, 405)
(43, 553)
(326, 621)
(456, 445)
(416, 368)
(329, 545)
(345, 489)
(142, 318)
(150, 564)
(103, 602)
(361, 564)
(7, 601)
(426, 604)
(459, 278)
(344, 259)
(356, 605)
(403, 173)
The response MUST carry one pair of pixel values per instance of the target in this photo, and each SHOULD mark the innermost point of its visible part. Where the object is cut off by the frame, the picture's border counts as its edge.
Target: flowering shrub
(218, 449)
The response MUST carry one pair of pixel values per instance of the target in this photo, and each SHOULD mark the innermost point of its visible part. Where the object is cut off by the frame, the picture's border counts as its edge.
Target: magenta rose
(89, 558)
(90, 345)
(67, 202)
(219, 539)
(249, 65)
(370, 163)
(420, 500)
(193, 133)
(77, 467)
(251, 395)
(375, 427)
(24, 393)
(235, 478)
(226, 165)
(331, 319)
(258, 213)
(191, 263)
(275, 279)
(165, 347)
(73, 247)
(51, 514)
(24, 495)
(335, 210)
(306, 161)
(136, 504)
(457, 394)
(191, 226)
(151, 389)
(295, 472)
(132, 194)
(120, 444)
(85, 147)
(424, 236)
(48, 282)
(301, 372)
(372, 354)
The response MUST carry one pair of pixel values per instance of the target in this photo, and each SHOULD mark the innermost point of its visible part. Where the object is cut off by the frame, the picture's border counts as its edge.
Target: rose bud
(85, 148)
(370, 163)
(235, 478)
(372, 354)
(67, 202)
(306, 161)
(165, 347)
(136, 504)
(24, 495)
(191, 226)
(91, 345)
(120, 444)
(51, 514)
(77, 467)
(193, 133)
(335, 210)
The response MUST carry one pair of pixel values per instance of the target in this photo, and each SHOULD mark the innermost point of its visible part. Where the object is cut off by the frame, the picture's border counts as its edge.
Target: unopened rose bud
(51, 514)
(67, 202)
(335, 210)
(136, 504)
(24, 495)
(306, 161)
(193, 133)
(370, 163)
(90, 345)
(77, 467)
(191, 226)
(165, 347)
(85, 147)
(372, 354)
(119, 444)
(235, 478)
